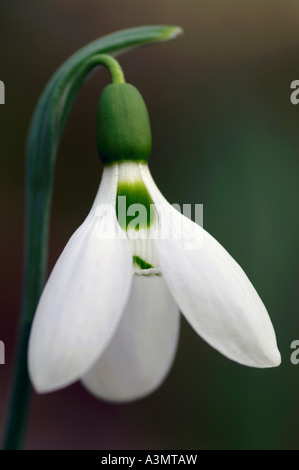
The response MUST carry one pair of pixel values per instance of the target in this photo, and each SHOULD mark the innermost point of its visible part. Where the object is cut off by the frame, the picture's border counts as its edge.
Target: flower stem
(113, 66)
(20, 394)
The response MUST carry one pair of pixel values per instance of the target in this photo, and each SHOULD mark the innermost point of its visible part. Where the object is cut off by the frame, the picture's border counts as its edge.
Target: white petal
(212, 290)
(142, 350)
(84, 297)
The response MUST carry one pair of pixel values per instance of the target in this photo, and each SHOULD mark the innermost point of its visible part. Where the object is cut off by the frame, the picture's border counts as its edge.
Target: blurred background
(226, 135)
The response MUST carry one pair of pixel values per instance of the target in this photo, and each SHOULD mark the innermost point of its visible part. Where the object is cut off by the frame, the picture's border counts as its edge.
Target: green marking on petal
(134, 206)
(141, 263)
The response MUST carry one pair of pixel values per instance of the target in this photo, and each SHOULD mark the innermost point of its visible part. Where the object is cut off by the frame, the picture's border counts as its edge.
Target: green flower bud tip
(123, 125)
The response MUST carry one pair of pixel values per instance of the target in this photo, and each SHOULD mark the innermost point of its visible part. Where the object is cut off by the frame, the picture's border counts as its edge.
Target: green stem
(20, 396)
(42, 145)
(113, 66)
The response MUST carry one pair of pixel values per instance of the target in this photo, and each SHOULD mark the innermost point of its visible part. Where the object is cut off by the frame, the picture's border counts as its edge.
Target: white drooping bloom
(109, 313)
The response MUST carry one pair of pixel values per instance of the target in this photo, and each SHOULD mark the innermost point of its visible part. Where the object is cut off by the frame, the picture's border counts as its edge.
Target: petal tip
(272, 359)
(46, 379)
(119, 397)
(271, 356)
(275, 359)
(44, 383)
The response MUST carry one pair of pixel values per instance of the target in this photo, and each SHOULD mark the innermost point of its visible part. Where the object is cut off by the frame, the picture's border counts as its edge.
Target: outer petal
(84, 297)
(142, 350)
(211, 289)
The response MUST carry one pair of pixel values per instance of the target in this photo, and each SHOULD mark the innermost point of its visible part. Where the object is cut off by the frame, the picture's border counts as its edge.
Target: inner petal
(137, 215)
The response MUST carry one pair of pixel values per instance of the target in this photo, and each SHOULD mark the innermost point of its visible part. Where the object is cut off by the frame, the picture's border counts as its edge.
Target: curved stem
(113, 66)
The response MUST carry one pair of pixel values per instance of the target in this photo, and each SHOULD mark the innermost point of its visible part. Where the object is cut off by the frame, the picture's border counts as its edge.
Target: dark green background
(224, 134)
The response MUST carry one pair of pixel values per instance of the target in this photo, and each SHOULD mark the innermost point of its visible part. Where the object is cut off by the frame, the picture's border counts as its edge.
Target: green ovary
(123, 125)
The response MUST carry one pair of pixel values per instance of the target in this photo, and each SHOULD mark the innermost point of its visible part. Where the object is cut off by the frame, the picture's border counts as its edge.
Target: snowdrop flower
(110, 312)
